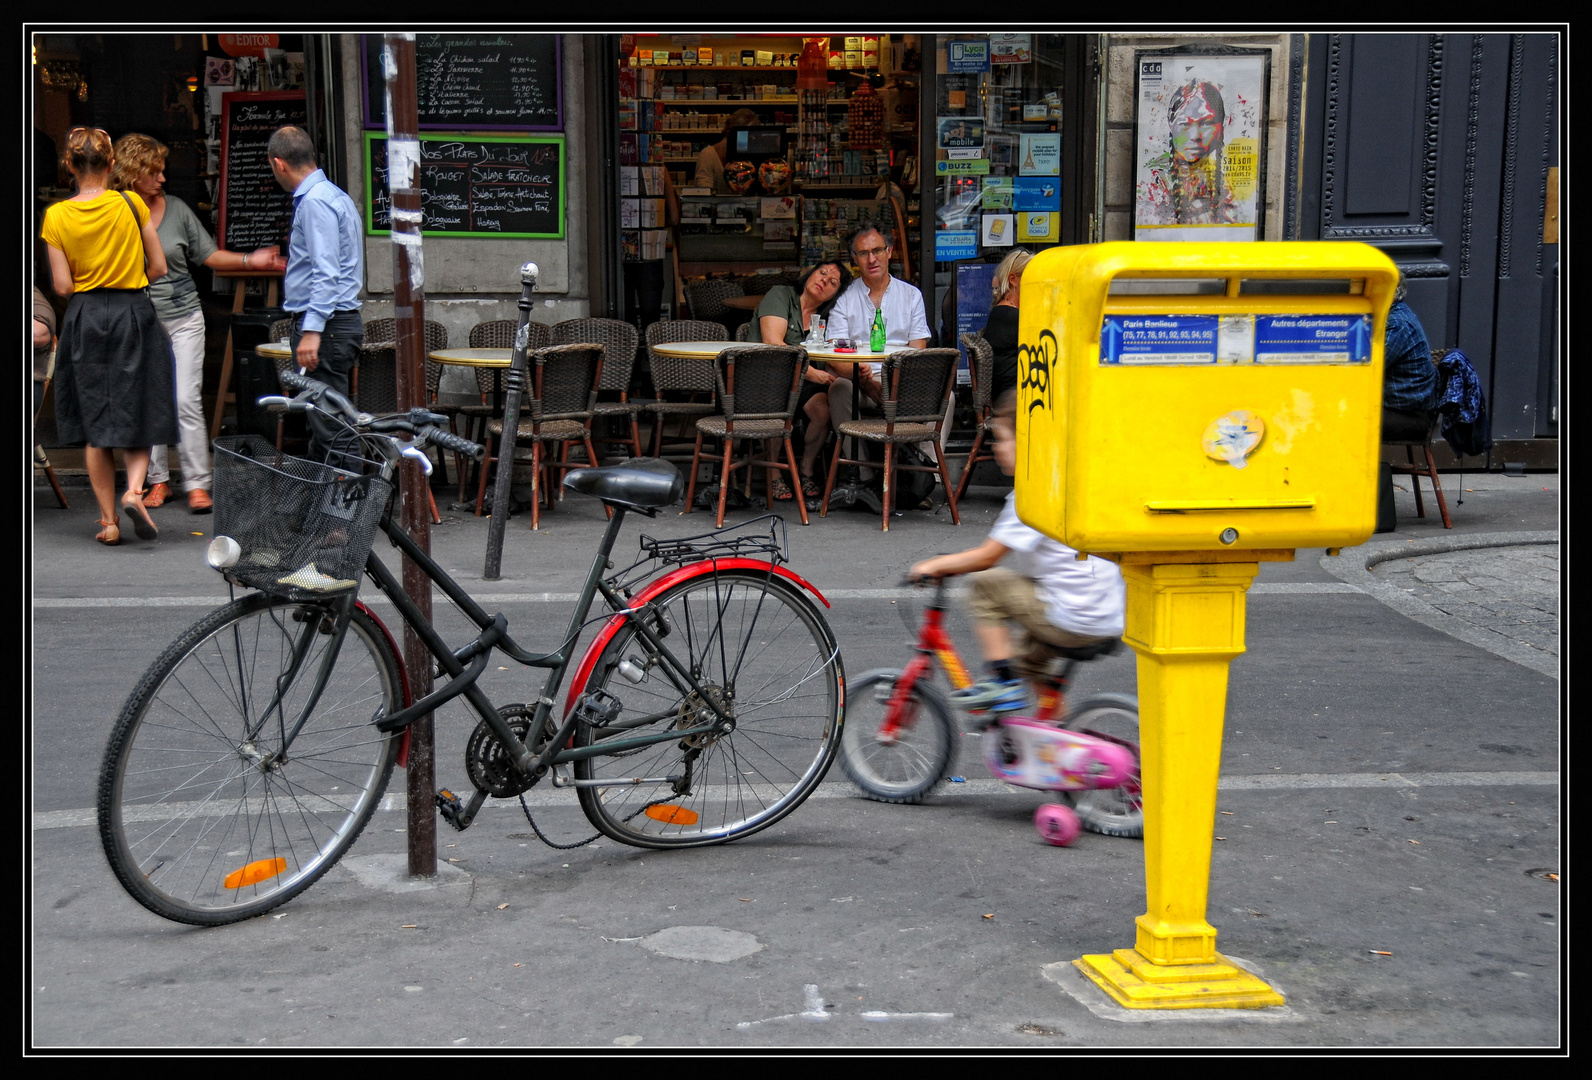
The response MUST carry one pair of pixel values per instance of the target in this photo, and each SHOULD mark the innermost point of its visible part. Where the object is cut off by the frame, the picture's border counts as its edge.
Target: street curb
(1354, 568)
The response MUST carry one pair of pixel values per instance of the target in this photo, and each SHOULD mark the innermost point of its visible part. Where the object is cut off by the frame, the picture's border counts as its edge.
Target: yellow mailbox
(1183, 396)
(1192, 410)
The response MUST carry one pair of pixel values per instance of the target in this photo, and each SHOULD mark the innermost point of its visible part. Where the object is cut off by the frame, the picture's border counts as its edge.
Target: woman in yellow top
(114, 370)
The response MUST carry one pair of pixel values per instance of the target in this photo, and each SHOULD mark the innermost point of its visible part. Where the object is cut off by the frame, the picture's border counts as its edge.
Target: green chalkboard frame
(372, 137)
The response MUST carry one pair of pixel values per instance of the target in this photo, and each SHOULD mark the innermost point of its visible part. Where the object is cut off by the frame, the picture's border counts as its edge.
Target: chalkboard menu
(476, 81)
(255, 211)
(486, 186)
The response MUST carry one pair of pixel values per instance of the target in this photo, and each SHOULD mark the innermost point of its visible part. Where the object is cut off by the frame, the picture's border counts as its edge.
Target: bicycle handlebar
(421, 423)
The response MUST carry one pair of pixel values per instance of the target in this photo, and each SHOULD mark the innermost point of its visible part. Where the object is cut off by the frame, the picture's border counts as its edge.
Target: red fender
(403, 677)
(577, 685)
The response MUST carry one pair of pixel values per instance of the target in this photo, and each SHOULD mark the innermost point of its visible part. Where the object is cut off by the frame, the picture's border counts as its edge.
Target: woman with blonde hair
(113, 364)
(1001, 330)
(141, 168)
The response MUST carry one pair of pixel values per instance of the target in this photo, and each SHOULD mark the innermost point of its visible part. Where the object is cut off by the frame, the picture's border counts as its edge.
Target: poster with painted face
(1199, 145)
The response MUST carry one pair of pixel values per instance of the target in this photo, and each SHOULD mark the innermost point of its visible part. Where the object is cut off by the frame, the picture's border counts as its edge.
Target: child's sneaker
(998, 695)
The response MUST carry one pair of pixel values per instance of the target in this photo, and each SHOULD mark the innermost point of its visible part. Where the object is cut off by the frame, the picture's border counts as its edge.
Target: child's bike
(899, 739)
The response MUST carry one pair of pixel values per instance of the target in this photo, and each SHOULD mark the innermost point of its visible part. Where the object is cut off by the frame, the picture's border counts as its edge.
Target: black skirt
(115, 374)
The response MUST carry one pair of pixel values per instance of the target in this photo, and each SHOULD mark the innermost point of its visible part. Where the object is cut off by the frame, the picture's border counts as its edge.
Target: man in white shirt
(905, 321)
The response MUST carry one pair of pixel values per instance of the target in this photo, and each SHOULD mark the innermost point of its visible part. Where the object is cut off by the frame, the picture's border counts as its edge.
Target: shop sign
(1039, 155)
(998, 193)
(248, 44)
(998, 231)
(960, 132)
(967, 56)
(1042, 226)
(965, 153)
(954, 168)
(1011, 48)
(1036, 193)
(960, 244)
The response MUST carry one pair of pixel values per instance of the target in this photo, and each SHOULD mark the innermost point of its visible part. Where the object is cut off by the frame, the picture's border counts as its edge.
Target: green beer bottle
(877, 336)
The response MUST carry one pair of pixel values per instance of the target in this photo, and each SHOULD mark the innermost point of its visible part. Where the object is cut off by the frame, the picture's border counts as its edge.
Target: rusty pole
(409, 309)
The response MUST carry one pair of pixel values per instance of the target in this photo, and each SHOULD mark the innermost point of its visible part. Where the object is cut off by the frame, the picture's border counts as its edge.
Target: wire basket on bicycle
(303, 528)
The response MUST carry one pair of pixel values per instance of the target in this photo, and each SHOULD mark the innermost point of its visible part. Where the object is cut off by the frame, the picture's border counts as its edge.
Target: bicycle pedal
(598, 708)
(452, 810)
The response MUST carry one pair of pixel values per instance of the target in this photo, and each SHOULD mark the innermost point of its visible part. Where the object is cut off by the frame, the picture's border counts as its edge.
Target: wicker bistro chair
(918, 384)
(384, 332)
(619, 343)
(557, 409)
(492, 334)
(706, 299)
(674, 378)
(981, 368)
(758, 387)
(748, 331)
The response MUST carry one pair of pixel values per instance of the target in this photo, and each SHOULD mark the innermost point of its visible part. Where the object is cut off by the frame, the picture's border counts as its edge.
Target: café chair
(758, 386)
(981, 370)
(705, 299)
(918, 384)
(681, 383)
(748, 331)
(556, 410)
(1411, 436)
(384, 332)
(491, 334)
(619, 344)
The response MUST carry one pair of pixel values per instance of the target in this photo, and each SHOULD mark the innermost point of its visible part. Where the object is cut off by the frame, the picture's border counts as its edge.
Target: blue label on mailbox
(1158, 339)
(1312, 339)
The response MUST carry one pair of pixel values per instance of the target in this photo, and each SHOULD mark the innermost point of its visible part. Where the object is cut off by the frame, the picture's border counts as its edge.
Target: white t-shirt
(904, 317)
(1085, 597)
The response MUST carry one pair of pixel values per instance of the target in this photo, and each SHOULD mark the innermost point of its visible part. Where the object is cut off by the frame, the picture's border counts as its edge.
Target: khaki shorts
(998, 596)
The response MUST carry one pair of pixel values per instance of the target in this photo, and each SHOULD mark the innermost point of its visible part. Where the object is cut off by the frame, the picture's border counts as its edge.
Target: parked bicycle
(900, 737)
(257, 747)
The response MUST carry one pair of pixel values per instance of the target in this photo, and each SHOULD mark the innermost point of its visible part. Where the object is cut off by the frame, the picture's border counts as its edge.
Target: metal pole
(511, 423)
(409, 309)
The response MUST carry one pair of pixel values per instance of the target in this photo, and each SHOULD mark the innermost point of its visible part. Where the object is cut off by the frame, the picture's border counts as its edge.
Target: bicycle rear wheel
(206, 817)
(907, 767)
(765, 652)
(1110, 811)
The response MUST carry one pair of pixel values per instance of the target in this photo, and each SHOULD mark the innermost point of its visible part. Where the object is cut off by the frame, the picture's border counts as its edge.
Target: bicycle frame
(934, 644)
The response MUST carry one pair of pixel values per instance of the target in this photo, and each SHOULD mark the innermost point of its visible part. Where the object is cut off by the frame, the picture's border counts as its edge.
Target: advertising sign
(958, 244)
(1199, 144)
(1036, 193)
(1040, 155)
(967, 56)
(960, 132)
(1011, 48)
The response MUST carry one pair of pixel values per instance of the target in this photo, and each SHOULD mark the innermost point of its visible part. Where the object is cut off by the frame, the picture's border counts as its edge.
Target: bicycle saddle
(643, 484)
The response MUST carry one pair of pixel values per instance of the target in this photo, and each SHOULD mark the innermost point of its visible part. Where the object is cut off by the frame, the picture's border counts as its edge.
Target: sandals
(781, 489)
(810, 488)
(143, 524)
(158, 494)
(111, 534)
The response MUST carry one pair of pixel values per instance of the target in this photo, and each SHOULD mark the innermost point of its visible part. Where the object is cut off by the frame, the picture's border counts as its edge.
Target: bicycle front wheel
(1110, 811)
(907, 765)
(764, 652)
(210, 809)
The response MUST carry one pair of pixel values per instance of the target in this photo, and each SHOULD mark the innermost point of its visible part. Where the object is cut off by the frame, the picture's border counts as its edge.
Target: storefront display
(798, 167)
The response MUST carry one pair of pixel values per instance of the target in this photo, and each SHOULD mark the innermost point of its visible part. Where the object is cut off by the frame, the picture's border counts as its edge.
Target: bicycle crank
(490, 765)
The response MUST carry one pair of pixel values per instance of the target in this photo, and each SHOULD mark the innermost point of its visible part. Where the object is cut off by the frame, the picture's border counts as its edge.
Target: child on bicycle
(1055, 599)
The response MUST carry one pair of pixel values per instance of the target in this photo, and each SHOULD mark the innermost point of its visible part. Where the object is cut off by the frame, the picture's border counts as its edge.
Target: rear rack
(761, 538)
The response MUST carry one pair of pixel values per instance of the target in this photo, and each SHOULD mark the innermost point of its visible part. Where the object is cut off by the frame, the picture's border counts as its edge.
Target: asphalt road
(1387, 787)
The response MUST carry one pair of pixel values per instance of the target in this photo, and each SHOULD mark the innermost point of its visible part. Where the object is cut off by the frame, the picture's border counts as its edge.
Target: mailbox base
(1132, 981)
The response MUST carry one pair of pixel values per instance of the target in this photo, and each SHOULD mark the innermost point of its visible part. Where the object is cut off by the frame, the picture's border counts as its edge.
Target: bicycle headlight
(223, 552)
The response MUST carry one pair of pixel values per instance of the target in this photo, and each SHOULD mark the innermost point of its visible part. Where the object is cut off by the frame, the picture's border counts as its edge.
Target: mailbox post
(1192, 410)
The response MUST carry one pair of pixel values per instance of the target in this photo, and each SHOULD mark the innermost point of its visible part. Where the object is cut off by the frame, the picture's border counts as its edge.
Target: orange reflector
(672, 815)
(255, 871)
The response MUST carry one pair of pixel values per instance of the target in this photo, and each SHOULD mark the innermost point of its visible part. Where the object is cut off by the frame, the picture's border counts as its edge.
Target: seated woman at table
(783, 317)
(1001, 330)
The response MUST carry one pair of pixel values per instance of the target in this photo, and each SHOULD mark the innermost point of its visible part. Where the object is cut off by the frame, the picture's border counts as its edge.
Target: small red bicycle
(899, 738)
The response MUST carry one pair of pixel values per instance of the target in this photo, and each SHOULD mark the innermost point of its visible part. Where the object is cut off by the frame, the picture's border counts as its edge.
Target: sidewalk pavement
(1390, 784)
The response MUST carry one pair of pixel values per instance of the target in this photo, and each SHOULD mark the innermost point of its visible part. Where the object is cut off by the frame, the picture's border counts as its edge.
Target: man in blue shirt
(325, 269)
